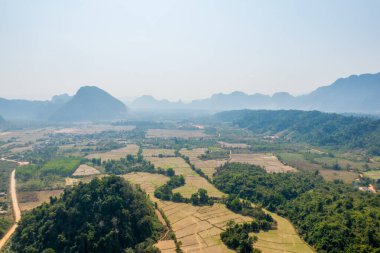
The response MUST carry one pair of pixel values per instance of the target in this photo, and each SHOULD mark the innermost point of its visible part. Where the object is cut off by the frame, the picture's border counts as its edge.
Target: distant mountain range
(354, 94)
(89, 104)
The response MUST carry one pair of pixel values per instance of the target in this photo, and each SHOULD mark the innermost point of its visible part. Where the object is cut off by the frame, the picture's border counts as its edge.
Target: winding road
(16, 210)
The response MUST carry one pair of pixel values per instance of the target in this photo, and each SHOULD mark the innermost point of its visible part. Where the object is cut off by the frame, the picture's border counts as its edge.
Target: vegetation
(236, 236)
(105, 215)
(313, 127)
(45, 175)
(215, 153)
(165, 192)
(332, 217)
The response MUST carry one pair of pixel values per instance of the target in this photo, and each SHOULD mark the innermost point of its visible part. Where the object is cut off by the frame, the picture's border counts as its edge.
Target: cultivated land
(193, 181)
(91, 129)
(85, 170)
(173, 133)
(233, 145)
(157, 152)
(198, 228)
(267, 161)
(32, 199)
(207, 166)
(130, 149)
(346, 176)
(374, 174)
(283, 239)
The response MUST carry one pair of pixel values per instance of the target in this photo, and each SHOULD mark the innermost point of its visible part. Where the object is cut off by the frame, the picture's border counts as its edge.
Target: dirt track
(16, 210)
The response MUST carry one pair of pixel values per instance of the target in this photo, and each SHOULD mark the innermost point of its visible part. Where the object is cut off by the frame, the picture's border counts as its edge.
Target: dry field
(208, 166)
(233, 145)
(172, 133)
(85, 170)
(92, 129)
(193, 180)
(345, 176)
(156, 152)
(32, 199)
(374, 174)
(69, 181)
(198, 228)
(130, 149)
(267, 161)
(284, 239)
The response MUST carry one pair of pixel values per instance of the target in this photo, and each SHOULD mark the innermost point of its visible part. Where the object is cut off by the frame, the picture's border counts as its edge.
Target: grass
(346, 176)
(374, 174)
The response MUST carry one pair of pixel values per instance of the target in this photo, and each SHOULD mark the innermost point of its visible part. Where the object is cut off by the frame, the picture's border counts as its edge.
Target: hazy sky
(183, 49)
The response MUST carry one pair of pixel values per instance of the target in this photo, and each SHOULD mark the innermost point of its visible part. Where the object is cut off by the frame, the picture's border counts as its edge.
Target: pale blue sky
(183, 49)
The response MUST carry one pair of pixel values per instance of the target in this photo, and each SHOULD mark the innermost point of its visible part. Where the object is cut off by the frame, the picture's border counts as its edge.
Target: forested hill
(317, 128)
(105, 215)
(90, 104)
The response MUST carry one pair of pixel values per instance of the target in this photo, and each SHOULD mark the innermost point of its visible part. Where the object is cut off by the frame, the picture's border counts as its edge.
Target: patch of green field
(373, 174)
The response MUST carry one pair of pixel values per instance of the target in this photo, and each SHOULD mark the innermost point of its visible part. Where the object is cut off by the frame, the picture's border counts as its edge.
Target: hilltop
(90, 104)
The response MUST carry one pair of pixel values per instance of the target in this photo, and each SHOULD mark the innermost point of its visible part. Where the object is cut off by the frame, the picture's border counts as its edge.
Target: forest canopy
(105, 215)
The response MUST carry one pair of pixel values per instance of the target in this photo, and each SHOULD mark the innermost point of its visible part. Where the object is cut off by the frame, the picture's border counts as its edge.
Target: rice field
(116, 154)
(346, 176)
(85, 170)
(197, 228)
(268, 161)
(233, 145)
(193, 181)
(284, 239)
(156, 152)
(32, 199)
(174, 133)
(207, 166)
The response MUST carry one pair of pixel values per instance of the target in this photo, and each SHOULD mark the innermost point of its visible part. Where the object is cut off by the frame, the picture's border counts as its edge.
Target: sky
(177, 49)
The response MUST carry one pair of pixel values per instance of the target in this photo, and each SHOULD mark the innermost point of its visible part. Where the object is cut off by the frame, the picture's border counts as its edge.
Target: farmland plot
(85, 170)
(207, 166)
(116, 154)
(233, 145)
(157, 152)
(198, 228)
(174, 133)
(283, 239)
(192, 180)
(267, 161)
(32, 199)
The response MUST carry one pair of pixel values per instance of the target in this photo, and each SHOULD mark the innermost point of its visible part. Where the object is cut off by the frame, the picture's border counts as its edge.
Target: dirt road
(16, 210)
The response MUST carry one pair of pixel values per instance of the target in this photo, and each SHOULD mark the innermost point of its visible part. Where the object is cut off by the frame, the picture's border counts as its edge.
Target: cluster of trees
(236, 237)
(105, 215)
(201, 198)
(313, 127)
(215, 153)
(263, 221)
(129, 164)
(332, 217)
(165, 192)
